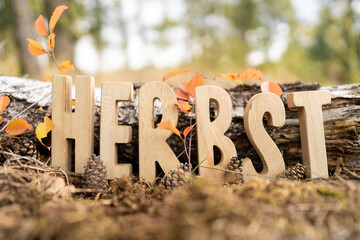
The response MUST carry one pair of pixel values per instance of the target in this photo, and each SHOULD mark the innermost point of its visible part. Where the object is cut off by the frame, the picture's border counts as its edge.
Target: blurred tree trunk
(64, 47)
(124, 35)
(23, 29)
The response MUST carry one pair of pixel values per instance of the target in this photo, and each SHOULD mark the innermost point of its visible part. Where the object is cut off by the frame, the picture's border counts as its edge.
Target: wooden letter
(272, 160)
(68, 125)
(312, 130)
(152, 141)
(110, 131)
(211, 134)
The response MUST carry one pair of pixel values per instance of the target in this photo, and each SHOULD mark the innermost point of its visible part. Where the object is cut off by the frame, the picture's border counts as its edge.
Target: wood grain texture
(309, 105)
(78, 125)
(259, 105)
(211, 133)
(152, 141)
(111, 132)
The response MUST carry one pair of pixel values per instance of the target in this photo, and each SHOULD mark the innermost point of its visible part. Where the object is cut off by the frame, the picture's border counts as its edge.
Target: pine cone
(234, 176)
(28, 148)
(23, 146)
(177, 177)
(295, 172)
(185, 167)
(95, 174)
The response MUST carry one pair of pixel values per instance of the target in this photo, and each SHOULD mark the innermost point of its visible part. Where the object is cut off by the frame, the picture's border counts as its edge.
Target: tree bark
(24, 29)
(341, 122)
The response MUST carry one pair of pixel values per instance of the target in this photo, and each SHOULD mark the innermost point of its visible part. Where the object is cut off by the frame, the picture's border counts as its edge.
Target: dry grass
(38, 204)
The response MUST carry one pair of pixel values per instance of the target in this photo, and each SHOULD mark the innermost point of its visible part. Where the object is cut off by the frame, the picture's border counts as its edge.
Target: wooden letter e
(110, 131)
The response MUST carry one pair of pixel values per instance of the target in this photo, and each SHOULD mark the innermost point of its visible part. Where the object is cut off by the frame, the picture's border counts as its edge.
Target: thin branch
(190, 138)
(66, 176)
(24, 157)
(46, 167)
(16, 116)
(53, 56)
(187, 154)
(226, 170)
(181, 153)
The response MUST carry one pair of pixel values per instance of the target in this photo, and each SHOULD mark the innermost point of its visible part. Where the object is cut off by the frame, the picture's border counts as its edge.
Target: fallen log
(341, 121)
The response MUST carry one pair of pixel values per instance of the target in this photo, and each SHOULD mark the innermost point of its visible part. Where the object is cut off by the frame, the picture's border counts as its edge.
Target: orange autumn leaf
(43, 129)
(66, 66)
(1, 118)
(47, 78)
(18, 126)
(174, 73)
(272, 87)
(181, 95)
(184, 106)
(40, 26)
(188, 129)
(183, 87)
(55, 16)
(51, 42)
(196, 81)
(4, 102)
(35, 48)
(230, 76)
(169, 126)
(251, 73)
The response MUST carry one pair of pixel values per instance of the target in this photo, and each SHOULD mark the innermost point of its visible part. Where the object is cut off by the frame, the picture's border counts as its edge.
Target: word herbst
(79, 125)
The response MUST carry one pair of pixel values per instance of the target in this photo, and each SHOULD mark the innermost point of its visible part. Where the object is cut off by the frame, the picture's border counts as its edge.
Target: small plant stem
(53, 56)
(190, 138)
(181, 154)
(190, 166)
(187, 154)
(198, 165)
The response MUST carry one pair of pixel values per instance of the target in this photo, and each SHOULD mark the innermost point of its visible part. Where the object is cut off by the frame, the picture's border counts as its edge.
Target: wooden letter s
(271, 105)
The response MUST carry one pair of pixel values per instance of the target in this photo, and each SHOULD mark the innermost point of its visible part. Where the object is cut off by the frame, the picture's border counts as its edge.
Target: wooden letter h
(78, 125)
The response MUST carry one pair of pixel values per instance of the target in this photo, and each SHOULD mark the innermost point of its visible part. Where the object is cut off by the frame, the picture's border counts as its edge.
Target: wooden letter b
(211, 134)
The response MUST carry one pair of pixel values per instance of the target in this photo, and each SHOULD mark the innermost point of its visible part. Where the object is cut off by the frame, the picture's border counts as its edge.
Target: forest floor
(35, 204)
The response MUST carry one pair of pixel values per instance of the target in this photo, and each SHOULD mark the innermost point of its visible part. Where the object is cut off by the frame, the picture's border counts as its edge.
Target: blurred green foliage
(221, 35)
